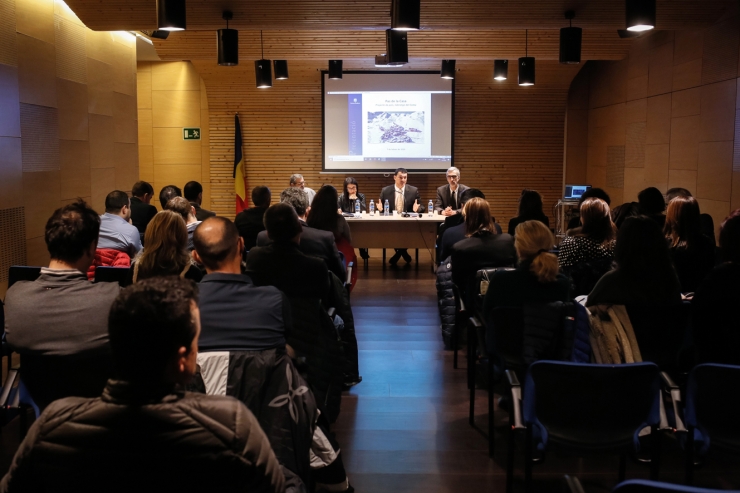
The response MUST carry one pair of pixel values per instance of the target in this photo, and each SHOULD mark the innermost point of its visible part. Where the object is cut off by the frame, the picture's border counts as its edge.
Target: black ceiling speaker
(171, 15)
(526, 65)
(501, 69)
(448, 69)
(281, 69)
(570, 41)
(397, 48)
(335, 69)
(405, 15)
(263, 69)
(228, 43)
(640, 15)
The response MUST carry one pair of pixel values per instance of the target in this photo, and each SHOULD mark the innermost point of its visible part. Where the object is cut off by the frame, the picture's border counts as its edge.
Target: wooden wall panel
(506, 137)
(40, 137)
(72, 110)
(10, 115)
(11, 172)
(36, 71)
(8, 48)
(691, 135)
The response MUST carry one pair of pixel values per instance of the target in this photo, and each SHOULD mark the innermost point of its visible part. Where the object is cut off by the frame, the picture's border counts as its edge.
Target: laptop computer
(573, 192)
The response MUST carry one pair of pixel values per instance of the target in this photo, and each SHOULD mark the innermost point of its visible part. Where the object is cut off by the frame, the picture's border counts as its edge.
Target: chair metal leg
(622, 466)
(510, 455)
(454, 344)
(490, 407)
(528, 460)
(656, 442)
(471, 376)
(690, 456)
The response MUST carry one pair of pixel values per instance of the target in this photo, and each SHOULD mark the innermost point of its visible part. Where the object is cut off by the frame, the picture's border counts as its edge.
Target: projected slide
(371, 129)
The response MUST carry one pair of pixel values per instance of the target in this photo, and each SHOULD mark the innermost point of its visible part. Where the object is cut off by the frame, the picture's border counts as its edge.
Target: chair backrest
(121, 275)
(22, 273)
(589, 406)
(482, 281)
(585, 275)
(505, 337)
(712, 400)
(660, 331)
(645, 486)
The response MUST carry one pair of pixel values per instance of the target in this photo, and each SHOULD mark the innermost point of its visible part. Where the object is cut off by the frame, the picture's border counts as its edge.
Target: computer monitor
(574, 192)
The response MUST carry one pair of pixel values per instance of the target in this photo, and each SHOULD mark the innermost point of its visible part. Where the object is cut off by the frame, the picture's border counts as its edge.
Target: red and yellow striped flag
(240, 178)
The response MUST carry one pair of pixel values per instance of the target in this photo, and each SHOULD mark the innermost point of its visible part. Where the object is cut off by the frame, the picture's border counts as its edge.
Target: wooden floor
(405, 428)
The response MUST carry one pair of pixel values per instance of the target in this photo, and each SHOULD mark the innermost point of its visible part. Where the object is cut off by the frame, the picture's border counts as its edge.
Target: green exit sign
(191, 134)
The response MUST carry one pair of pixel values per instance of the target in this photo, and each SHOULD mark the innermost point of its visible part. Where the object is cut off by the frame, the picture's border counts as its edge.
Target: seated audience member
(448, 201)
(586, 254)
(116, 232)
(168, 193)
(281, 263)
(692, 252)
(193, 192)
(453, 229)
(598, 193)
(234, 313)
(643, 273)
(716, 325)
(346, 203)
(181, 206)
(481, 248)
(174, 440)
(652, 204)
(323, 216)
(166, 253)
(297, 181)
(530, 209)
(707, 223)
(251, 221)
(314, 242)
(536, 278)
(141, 209)
(59, 323)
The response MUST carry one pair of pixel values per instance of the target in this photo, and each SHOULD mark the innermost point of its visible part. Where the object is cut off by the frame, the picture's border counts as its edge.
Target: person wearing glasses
(448, 196)
(297, 181)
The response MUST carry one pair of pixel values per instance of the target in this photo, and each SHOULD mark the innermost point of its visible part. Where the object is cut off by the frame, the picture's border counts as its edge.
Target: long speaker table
(381, 231)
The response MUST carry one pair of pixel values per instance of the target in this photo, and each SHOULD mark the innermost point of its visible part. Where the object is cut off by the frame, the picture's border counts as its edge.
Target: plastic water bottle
(357, 207)
(386, 208)
(372, 208)
(430, 209)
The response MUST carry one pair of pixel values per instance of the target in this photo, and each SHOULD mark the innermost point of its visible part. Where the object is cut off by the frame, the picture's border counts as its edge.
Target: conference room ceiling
(374, 15)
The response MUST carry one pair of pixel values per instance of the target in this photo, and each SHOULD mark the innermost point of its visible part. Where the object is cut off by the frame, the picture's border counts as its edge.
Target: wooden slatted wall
(506, 137)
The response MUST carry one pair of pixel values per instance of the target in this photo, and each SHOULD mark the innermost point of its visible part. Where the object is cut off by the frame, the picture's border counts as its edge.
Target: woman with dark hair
(481, 248)
(587, 254)
(652, 204)
(350, 195)
(715, 323)
(692, 252)
(644, 273)
(347, 201)
(166, 252)
(323, 215)
(530, 209)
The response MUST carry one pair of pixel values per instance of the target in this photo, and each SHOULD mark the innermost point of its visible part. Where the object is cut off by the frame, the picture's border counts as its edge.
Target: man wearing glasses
(297, 181)
(448, 196)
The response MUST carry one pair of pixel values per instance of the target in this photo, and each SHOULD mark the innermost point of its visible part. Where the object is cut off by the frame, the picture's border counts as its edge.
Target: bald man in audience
(235, 314)
(59, 323)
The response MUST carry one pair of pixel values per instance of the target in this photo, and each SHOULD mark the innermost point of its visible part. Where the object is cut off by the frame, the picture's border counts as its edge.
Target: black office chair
(121, 275)
(644, 486)
(712, 403)
(661, 332)
(22, 273)
(607, 407)
(585, 275)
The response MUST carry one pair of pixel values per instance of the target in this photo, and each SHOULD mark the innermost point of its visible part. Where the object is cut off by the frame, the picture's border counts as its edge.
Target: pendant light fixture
(405, 15)
(397, 47)
(640, 15)
(228, 43)
(501, 69)
(448, 69)
(570, 41)
(281, 69)
(171, 15)
(526, 65)
(263, 69)
(335, 69)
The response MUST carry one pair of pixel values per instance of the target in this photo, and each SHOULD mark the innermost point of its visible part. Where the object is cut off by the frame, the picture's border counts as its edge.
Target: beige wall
(172, 96)
(67, 121)
(664, 117)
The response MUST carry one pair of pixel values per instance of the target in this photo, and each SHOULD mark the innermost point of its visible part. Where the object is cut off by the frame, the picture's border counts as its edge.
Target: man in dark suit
(194, 193)
(314, 242)
(401, 198)
(449, 202)
(250, 222)
(141, 210)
